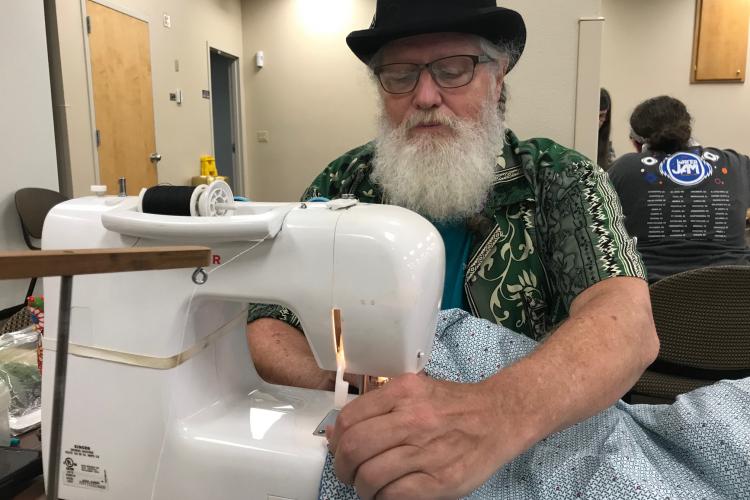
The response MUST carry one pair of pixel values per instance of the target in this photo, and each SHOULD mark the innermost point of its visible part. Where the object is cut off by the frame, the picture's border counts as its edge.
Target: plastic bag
(19, 371)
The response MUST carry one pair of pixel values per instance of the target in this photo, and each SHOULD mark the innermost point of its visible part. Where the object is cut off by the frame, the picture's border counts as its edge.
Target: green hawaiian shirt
(552, 227)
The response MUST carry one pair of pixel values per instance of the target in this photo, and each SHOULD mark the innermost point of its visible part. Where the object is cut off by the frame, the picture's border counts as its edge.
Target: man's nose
(427, 93)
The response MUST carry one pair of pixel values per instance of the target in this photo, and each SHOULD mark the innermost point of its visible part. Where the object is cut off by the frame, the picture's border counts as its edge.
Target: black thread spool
(169, 200)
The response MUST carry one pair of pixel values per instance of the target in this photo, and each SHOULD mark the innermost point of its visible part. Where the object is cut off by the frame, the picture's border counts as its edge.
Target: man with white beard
(534, 241)
(443, 176)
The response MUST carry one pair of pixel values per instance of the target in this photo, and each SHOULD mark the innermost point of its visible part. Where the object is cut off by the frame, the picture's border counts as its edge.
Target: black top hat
(402, 18)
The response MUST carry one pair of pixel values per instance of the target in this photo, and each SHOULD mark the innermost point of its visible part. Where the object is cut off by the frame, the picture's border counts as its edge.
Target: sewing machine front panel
(269, 428)
(161, 387)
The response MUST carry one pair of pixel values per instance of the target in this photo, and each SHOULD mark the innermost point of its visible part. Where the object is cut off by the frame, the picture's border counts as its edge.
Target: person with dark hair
(684, 203)
(606, 153)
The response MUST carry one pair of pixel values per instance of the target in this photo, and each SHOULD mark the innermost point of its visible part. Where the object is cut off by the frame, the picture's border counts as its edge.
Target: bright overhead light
(324, 17)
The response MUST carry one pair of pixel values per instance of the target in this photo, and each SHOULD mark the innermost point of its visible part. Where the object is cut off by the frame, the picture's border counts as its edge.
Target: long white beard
(445, 178)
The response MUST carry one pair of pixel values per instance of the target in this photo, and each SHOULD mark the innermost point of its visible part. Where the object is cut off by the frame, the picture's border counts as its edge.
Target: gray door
(225, 112)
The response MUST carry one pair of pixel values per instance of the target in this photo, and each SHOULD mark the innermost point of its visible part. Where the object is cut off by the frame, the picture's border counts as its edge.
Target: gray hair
(505, 54)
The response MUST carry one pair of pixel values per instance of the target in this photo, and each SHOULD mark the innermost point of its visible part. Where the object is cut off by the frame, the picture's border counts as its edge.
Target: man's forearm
(282, 356)
(586, 365)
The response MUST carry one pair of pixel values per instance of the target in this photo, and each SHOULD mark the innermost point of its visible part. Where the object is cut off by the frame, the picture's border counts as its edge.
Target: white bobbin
(216, 199)
(195, 199)
(140, 199)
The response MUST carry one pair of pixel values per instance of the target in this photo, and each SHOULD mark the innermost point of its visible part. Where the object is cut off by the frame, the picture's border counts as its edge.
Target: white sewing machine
(162, 398)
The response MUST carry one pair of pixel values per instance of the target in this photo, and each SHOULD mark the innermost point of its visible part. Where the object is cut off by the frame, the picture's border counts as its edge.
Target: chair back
(33, 205)
(702, 318)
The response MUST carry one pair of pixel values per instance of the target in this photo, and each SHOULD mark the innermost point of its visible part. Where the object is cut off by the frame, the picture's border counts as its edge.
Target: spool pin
(205, 200)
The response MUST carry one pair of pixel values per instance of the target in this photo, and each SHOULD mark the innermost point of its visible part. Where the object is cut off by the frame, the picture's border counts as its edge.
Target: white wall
(316, 101)
(27, 141)
(543, 85)
(647, 51)
(183, 133)
(313, 96)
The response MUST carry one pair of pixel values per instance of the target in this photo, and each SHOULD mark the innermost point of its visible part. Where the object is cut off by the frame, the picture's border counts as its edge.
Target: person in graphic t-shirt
(685, 203)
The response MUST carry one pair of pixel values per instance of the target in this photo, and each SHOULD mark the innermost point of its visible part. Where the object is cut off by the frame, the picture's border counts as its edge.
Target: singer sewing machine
(162, 397)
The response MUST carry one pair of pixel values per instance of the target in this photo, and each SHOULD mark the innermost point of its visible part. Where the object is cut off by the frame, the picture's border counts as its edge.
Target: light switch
(176, 96)
(167, 20)
(262, 135)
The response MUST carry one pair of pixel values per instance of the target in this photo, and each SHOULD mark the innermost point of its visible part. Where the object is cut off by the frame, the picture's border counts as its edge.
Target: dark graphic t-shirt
(687, 210)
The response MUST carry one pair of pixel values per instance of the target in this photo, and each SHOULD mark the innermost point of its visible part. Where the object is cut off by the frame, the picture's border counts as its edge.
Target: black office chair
(32, 205)
(702, 318)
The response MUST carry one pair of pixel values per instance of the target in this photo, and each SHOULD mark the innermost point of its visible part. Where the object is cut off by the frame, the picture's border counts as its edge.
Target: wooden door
(720, 46)
(123, 98)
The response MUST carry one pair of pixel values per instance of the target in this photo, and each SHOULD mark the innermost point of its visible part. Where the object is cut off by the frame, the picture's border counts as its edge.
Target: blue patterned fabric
(696, 448)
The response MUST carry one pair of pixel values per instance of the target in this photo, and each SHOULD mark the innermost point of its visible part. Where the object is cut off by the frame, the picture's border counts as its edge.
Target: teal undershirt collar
(457, 240)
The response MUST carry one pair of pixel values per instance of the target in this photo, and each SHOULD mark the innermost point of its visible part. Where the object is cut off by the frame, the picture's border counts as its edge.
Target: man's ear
(499, 81)
(499, 77)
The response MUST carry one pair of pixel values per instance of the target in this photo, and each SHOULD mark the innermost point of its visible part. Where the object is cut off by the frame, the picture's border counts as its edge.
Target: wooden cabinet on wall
(720, 45)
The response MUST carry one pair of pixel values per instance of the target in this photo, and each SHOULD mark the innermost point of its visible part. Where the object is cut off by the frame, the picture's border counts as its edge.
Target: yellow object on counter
(208, 167)
(208, 179)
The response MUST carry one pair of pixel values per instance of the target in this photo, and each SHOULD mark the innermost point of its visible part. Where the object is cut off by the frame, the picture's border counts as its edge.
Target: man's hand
(421, 438)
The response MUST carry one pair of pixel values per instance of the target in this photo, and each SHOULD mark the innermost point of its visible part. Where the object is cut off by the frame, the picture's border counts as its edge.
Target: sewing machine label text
(216, 259)
(83, 469)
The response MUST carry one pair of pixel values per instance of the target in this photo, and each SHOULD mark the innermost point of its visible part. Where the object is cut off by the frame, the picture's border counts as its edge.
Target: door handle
(155, 158)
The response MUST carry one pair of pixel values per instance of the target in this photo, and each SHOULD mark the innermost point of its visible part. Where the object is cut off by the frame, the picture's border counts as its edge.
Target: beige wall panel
(543, 85)
(587, 85)
(27, 138)
(313, 97)
(78, 112)
(647, 51)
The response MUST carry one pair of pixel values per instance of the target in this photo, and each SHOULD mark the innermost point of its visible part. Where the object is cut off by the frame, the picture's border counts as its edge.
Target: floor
(35, 489)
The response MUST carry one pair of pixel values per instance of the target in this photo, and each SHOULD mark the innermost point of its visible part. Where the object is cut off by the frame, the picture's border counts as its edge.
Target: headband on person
(637, 138)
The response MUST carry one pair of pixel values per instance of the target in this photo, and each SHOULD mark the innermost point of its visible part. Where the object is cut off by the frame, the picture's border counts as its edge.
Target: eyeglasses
(447, 72)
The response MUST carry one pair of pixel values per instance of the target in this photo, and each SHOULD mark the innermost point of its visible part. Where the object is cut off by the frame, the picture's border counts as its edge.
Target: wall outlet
(262, 135)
